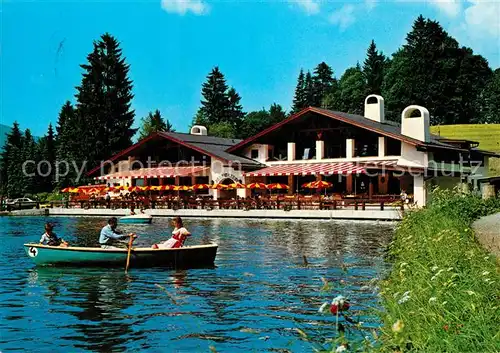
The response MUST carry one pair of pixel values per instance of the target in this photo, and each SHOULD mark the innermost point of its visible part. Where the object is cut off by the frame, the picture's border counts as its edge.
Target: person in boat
(50, 238)
(110, 235)
(179, 236)
(132, 211)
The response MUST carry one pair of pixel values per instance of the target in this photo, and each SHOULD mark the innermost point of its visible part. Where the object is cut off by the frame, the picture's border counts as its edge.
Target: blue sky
(171, 46)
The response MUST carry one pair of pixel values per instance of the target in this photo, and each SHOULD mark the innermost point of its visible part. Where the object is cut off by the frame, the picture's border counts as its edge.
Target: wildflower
(432, 299)
(334, 309)
(323, 307)
(398, 326)
(446, 327)
(341, 348)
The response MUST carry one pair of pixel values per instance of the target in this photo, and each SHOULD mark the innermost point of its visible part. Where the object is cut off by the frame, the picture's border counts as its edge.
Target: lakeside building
(365, 156)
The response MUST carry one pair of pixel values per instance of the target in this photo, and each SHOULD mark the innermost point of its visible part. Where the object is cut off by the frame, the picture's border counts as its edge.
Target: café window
(254, 154)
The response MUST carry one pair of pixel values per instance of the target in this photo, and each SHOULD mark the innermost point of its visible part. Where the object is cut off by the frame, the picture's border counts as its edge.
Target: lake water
(253, 300)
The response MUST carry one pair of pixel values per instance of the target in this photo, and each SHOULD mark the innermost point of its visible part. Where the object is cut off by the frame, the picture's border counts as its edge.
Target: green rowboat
(185, 257)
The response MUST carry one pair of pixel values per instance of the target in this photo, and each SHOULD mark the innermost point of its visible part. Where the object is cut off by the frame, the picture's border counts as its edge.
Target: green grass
(488, 136)
(443, 292)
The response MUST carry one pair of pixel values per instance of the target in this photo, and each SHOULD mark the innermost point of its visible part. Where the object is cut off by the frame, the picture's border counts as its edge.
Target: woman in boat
(50, 238)
(179, 236)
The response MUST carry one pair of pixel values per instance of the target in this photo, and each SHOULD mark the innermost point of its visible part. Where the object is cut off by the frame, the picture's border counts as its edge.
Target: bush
(443, 292)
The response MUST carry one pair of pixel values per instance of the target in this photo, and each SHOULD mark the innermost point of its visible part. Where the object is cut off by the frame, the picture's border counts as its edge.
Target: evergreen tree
(215, 103)
(323, 83)
(46, 153)
(236, 113)
(491, 97)
(374, 69)
(433, 71)
(27, 164)
(71, 139)
(350, 95)
(309, 90)
(299, 99)
(154, 123)
(104, 101)
(10, 156)
(276, 114)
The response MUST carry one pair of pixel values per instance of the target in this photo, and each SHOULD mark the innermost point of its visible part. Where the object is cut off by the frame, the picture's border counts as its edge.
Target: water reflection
(259, 291)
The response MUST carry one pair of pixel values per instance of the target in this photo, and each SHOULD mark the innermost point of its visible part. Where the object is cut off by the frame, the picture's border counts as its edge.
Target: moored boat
(185, 257)
(137, 219)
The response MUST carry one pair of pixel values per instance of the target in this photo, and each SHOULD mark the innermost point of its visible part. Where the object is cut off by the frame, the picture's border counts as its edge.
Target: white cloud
(483, 17)
(344, 17)
(181, 7)
(451, 8)
(311, 7)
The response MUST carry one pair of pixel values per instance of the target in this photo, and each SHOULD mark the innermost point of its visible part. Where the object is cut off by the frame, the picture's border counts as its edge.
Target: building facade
(360, 155)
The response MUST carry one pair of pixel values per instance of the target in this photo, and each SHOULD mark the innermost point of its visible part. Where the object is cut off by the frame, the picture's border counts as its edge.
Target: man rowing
(110, 235)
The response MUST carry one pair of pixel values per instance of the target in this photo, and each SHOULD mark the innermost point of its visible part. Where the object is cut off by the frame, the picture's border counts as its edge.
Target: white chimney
(199, 130)
(415, 123)
(374, 108)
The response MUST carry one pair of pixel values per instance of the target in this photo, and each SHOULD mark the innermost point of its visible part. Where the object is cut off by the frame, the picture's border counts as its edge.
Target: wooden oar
(131, 240)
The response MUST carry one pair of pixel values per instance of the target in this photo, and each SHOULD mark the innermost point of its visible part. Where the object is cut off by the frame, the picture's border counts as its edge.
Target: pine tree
(299, 99)
(215, 103)
(491, 96)
(71, 141)
(349, 97)
(154, 123)
(433, 71)
(276, 114)
(104, 101)
(309, 89)
(9, 162)
(46, 154)
(323, 83)
(236, 113)
(27, 164)
(374, 69)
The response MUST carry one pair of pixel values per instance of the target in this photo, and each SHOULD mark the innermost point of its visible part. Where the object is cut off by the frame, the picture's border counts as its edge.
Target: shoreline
(369, 215)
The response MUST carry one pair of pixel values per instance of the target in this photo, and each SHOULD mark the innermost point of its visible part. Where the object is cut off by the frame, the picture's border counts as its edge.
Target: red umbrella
(257, 186)
(200, 186)
(237, 186)
(219, 186)
(182, 188)
(320, 184)
(277, 186)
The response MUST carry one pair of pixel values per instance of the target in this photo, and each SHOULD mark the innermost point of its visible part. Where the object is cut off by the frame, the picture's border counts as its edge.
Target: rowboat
(186, 257)
(137, 219)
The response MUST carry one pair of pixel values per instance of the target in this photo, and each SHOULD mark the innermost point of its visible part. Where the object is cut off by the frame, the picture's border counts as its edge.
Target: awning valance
(320, 168)
(161, 172)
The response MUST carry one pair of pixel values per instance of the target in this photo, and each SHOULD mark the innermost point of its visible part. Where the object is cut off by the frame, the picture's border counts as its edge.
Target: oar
(131, 240)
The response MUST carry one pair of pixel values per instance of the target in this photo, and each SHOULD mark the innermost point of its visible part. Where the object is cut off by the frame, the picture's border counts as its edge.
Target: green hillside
(488, 136)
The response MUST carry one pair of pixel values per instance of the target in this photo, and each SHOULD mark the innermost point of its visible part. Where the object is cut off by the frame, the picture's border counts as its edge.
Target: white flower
(338, 300)
(404, 298)
(323, 307)
(340, 349)
(432, 299)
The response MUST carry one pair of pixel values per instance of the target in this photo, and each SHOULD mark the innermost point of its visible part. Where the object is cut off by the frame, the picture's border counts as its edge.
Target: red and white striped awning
(162, 172)
(322, 168)
(309, 169)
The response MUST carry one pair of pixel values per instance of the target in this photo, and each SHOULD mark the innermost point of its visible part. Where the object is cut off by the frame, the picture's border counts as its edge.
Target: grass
(488, 136)
(443, 292)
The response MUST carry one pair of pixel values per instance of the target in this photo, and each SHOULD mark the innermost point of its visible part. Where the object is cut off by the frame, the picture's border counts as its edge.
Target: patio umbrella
(70, 189)
(278, 186)
(257, 186)
(200, 186)
(163, 187)
(219, 186)
(139, 188)
(320, 184)
(183, 188)
(237, 186)
(121, 187)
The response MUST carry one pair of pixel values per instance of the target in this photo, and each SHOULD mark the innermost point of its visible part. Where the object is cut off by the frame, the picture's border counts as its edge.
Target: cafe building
(361, 156)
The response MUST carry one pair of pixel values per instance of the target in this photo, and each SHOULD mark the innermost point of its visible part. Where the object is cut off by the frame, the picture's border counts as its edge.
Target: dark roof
(210, 145)
(387, 128)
